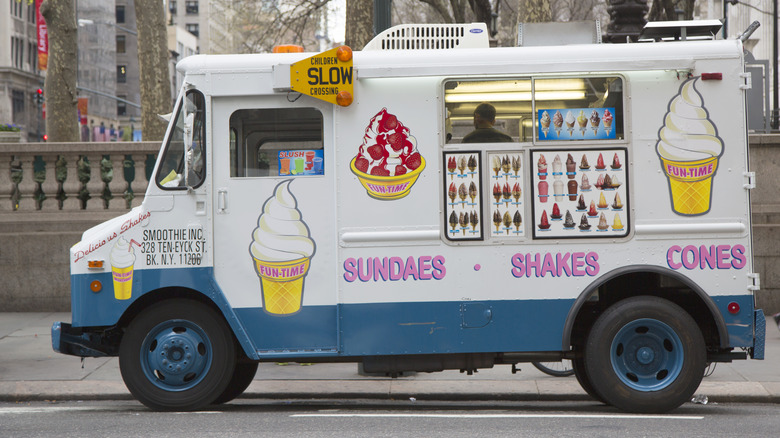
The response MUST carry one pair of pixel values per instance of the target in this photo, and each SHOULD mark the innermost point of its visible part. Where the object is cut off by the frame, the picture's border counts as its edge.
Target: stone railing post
(118, 185)
(7, 185)
(139, 184)
(95, 184)
(72, 185)
(50, 187)
(27, 185)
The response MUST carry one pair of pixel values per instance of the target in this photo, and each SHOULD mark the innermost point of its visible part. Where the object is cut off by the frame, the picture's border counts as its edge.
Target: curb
(715, 392)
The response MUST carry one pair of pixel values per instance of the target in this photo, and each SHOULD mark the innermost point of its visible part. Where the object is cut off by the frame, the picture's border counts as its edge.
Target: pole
(775, 115)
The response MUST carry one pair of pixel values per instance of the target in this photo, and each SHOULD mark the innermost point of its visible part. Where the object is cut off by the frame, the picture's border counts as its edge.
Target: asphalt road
(403, 418)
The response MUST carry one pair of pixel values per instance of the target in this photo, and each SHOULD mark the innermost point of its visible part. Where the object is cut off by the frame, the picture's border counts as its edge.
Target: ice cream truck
(323, 207)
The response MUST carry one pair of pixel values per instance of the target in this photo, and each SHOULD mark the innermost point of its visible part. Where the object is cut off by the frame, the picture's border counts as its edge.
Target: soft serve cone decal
(689, 149)
(281, 250)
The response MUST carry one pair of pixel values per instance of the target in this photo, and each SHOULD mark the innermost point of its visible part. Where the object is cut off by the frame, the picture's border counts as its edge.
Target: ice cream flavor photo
(689, 148)
(281, 251)
(545, 121)
(598, 202)
(387, 163)
(463, 195)
(557, 123)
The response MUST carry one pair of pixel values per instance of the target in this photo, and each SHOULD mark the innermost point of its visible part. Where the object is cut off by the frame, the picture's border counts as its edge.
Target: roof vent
(431, 37)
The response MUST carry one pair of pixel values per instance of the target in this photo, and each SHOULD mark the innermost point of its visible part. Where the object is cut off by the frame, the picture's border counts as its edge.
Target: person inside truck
(484, 132)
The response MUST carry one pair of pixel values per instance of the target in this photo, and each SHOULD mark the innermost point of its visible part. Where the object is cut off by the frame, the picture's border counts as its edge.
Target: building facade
(19, 75)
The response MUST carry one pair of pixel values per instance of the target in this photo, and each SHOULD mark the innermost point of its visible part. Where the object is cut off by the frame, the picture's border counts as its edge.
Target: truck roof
(488, 61)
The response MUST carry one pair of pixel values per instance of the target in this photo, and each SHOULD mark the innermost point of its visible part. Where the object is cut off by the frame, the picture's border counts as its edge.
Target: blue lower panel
(453, 327)
(312, 329)
(411, 328)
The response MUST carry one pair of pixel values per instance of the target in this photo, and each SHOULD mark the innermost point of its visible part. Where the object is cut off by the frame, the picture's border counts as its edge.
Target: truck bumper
(75, 342)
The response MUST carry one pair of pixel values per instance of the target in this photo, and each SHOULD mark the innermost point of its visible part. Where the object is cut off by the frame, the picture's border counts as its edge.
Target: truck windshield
(170, 174)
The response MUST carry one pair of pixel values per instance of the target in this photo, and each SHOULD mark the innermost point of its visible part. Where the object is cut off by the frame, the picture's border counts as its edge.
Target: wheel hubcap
(647, 355)
(176, 355)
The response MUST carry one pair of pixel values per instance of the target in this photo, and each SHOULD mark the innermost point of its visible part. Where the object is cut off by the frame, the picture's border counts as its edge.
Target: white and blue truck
(324, 208)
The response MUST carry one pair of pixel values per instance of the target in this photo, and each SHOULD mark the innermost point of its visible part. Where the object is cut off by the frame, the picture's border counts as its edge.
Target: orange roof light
(95, 264)
(288, 48)
(344, 53)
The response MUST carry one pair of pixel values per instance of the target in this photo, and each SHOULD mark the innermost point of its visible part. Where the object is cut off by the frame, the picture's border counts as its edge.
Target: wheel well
(659, 284)
(153, 297)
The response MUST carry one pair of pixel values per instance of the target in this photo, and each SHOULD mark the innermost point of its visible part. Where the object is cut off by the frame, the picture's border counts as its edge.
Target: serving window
(276, 142)
(545, 109)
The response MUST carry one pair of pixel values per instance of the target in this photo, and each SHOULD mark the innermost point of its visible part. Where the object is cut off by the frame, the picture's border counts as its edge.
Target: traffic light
(39, 96)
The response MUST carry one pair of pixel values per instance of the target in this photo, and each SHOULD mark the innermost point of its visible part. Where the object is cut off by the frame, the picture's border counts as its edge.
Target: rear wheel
(645, 354)
(578, 365)
(177, 355)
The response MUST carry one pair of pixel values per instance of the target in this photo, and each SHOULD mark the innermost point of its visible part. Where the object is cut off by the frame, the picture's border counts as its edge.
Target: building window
(121, 74)
(17, 52)
(120, 14)
(172, 7)
(17, 106)
(192, 7)
(193, 29)
(121, 107)
(120, 44)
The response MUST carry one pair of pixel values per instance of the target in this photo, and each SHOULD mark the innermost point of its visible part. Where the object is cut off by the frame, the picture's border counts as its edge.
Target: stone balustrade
(74, 176)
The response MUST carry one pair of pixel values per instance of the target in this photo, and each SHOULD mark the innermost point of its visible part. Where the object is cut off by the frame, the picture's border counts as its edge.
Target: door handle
(222, 200)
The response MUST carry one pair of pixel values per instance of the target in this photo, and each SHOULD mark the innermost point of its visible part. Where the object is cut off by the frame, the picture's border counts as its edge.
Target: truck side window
(276, 142)
(170, 175)
(510, 98)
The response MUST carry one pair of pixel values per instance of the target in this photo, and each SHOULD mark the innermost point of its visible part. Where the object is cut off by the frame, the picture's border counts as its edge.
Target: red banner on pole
(43, 37)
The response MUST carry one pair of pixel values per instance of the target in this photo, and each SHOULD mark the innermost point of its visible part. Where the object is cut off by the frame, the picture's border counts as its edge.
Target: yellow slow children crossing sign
(327, 76)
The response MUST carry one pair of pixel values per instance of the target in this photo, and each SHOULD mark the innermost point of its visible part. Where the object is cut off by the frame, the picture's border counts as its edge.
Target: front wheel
(177, 355)
(645, 354)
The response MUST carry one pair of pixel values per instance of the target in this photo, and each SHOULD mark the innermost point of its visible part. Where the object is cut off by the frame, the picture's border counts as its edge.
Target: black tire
(242, 378)
(578, 365)
(178, 355)
(645, 354)
(556, 369)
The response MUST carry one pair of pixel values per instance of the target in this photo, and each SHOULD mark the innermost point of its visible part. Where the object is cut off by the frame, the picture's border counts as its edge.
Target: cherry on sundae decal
(576, 124)
(463, 197)
(580, 193)
(506, 205)
(689, 148)
(387, 163)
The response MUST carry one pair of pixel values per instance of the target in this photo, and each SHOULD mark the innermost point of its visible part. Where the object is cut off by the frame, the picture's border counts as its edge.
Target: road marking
(45, 409)
(470, 416)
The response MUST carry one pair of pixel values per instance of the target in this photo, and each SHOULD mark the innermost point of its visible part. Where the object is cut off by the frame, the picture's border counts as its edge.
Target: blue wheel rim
(176, 355)
(647, 355)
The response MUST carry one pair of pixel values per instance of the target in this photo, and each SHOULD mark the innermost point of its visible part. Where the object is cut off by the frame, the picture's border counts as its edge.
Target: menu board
(575, 124)
(580, 193)
(506, 184)
(463, 200)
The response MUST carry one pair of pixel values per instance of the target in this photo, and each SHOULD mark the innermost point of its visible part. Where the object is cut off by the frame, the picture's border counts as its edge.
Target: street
(353, 418)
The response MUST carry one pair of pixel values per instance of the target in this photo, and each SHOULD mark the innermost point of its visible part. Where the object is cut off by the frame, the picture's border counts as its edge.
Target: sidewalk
(31, 370)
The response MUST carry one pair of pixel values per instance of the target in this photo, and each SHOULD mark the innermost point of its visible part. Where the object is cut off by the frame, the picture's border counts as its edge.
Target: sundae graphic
(387, 163)
(122, 262)
(281, 250)
(689, 149)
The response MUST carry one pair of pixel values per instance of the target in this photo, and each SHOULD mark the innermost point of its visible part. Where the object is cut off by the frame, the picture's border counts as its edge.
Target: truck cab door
(274, 222)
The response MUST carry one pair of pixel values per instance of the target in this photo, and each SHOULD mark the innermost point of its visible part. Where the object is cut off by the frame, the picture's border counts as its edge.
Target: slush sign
(327, 76)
